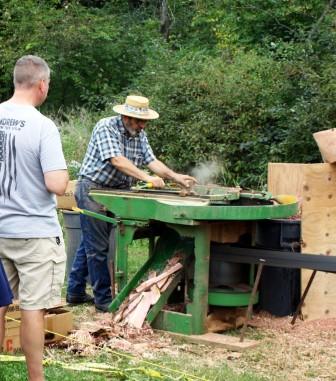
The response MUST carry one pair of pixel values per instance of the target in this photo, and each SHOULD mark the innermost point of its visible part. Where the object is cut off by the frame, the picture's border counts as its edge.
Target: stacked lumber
(134, 309)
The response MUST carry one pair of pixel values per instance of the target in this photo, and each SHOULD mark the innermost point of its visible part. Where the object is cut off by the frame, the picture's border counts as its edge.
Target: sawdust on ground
(303, 352)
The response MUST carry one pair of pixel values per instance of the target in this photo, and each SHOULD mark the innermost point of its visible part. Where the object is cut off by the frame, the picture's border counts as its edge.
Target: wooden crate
(315, 185)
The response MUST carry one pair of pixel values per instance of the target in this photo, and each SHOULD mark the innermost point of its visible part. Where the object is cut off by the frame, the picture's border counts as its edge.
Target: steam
(206, 173)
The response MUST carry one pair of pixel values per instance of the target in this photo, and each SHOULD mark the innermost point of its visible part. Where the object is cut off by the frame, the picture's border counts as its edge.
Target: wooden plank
(319, 186)
(231, 343)
(155, 293)
(318, 230)
(148, 283)
(157, 307)
(169, 280)
(319, 237)
(138, 315)
(132, 305)
(320, 301)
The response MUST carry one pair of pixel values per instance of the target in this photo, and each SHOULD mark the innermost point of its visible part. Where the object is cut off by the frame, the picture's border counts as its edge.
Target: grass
(127, 369)
(138, 254)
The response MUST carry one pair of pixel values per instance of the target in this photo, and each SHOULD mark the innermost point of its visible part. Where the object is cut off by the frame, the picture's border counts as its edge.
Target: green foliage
(250, 22)
(216, 109)
(93, 55)
(75, 127)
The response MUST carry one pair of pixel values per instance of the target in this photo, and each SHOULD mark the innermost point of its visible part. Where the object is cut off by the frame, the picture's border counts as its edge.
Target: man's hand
(156, 181)
(185, 180)
(162, 170)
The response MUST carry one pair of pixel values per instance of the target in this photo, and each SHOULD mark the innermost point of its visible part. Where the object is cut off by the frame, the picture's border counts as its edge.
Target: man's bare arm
(126, 166)
(56, 181)
(162, 170)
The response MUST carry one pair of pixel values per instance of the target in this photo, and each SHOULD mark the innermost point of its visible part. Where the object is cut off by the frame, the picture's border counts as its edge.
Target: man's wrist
(146, 177)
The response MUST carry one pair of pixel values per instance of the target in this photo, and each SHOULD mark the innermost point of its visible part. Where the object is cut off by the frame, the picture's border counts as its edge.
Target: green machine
(177, 223)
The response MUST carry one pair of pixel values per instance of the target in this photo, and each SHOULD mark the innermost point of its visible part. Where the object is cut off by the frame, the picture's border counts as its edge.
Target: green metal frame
(182, 219)
(178, 210)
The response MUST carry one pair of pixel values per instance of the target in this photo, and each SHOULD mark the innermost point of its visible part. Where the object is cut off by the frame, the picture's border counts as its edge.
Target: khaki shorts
(35, 268)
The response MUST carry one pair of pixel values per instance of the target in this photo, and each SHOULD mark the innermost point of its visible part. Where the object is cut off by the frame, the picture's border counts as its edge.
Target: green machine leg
(124, 239)
(165, 247)
(198, 307)
(125, 235)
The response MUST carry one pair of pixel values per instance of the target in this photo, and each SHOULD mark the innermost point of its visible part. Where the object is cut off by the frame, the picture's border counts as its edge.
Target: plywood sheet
(315, 184)
(319, 236)
(285, 178)
(319, 186)
(320, 301)
(318, 230)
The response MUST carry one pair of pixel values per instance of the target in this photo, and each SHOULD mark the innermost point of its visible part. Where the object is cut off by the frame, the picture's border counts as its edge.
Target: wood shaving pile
(91, 336)
(305, 352)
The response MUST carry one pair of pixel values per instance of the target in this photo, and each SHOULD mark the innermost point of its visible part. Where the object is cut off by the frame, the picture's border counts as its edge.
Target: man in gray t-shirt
(32, 171)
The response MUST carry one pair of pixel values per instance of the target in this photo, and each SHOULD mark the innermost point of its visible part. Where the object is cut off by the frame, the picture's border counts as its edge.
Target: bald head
(29, 70)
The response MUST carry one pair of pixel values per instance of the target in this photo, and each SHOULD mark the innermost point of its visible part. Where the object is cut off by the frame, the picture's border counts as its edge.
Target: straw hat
(136, 107)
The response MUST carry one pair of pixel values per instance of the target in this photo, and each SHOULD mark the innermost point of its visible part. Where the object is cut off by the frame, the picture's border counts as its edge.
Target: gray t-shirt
(30, 146)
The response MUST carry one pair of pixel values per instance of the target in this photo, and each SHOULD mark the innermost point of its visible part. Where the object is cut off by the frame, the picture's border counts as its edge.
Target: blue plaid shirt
(110, 139)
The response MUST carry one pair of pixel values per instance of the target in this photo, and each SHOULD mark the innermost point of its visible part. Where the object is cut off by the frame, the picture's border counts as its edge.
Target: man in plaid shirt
(116, 151)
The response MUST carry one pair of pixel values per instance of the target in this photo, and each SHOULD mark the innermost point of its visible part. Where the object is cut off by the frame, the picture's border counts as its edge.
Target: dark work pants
(93, 253)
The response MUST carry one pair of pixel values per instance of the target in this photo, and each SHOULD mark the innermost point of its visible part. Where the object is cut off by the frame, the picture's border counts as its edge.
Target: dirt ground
(304, 352)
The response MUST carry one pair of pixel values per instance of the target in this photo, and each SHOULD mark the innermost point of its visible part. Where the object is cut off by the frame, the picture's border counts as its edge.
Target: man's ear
(41, 85)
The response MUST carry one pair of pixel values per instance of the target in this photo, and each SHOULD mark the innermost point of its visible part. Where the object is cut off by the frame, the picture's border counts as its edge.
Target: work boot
(79, 299)
(102, 308)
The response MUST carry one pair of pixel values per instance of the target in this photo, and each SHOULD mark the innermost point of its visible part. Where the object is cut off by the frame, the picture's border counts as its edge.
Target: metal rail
(276, 258)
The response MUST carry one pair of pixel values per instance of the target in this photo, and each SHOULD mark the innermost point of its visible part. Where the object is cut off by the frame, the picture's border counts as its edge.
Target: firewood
(132, 305)
(117, 317)
(134, 309)
(147, 284)
(151, 274)
(172, 261)
(155, 292)
(167, 283)
(138, 315)
(124, 305)
(162, 283)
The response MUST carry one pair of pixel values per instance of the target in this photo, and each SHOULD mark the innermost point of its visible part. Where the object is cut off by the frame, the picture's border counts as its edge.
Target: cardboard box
(12, 336)
(68, 201)
(56, 321)
(14, 310)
